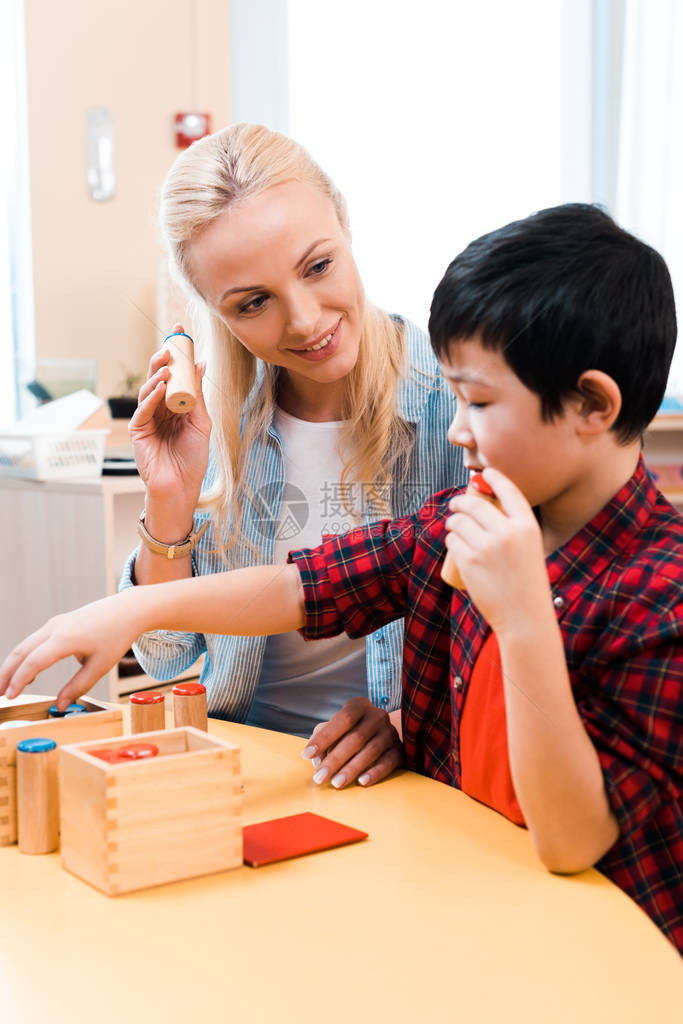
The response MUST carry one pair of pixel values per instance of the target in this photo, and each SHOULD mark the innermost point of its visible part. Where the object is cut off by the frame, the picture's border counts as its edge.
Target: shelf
(667, 421)
(134, 684)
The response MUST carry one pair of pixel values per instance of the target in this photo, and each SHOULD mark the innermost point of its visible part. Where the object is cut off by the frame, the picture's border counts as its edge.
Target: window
(434, 127)
(440, 121)
(16, 291)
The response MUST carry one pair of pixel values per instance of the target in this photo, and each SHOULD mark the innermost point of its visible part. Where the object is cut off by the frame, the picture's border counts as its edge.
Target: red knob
(147, 697)
(189, 689)
(111, 756)
(136, 751)
(482, 485)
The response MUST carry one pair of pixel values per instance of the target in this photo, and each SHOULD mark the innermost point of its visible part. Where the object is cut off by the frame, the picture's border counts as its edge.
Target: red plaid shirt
(617, 589)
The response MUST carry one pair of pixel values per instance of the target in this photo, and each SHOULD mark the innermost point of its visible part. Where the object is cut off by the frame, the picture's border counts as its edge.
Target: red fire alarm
(191, 126)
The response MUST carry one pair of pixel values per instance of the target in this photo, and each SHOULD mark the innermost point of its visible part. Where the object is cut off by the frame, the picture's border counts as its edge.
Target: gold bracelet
(179, 550)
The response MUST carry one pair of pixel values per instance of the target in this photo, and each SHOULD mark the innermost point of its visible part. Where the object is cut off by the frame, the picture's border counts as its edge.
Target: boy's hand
(499, 553)
(98, 635)
(359, 742)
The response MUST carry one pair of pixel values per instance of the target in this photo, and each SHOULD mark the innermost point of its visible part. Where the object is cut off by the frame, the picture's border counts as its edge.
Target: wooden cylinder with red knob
(147, 711)
(450, 573)
(189, 705)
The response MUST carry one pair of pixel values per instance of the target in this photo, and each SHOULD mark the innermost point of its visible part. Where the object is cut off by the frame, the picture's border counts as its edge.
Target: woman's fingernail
(339, 780)
(309, 751)
(363, 779)
(317, 761)
(321, 775)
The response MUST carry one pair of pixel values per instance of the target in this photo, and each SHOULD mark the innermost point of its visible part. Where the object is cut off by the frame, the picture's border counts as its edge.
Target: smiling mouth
(323, 343)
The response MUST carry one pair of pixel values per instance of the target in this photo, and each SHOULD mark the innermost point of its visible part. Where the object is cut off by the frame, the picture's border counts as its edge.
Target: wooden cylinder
(450, 573)
(37, 796)
(147, 711)
(181, 390)
(189, 705)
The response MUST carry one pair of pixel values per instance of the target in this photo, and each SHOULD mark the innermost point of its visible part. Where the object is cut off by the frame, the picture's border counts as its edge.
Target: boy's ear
(598, 401)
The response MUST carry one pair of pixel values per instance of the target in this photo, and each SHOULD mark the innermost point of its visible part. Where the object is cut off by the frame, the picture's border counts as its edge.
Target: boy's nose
(459, 432)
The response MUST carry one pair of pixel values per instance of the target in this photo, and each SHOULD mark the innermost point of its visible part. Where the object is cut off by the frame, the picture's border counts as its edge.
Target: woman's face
(278, 270)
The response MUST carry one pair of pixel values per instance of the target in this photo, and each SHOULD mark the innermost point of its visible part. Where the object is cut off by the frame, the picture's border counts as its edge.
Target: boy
(553, 689)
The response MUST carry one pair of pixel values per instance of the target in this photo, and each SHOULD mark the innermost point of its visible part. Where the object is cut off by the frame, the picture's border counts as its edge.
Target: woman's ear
(598, 401)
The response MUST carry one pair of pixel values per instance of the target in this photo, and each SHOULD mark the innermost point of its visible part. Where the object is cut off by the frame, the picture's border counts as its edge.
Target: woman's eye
(253, 305)
(321, 266)
(477, 405)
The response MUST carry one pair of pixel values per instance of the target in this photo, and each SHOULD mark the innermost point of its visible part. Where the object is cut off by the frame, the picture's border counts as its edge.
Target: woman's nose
(303, 312)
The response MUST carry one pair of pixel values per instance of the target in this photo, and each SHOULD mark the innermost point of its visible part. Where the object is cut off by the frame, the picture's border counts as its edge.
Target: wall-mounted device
(191, 126)
(100, 153)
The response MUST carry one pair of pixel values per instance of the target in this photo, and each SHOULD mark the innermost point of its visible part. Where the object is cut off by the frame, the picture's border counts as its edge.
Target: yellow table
(443, 914)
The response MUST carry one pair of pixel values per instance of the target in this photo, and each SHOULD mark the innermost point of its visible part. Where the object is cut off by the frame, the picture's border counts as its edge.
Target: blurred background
(438, 120)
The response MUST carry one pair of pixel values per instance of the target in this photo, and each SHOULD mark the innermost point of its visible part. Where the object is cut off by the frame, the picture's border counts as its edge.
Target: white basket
(78, 453)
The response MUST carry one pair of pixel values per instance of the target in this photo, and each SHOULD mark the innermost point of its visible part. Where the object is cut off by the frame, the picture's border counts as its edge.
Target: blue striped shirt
(232, 664)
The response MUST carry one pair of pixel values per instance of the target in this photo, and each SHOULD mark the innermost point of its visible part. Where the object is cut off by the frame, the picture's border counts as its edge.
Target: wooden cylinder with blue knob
(37, 796)
(181, 389)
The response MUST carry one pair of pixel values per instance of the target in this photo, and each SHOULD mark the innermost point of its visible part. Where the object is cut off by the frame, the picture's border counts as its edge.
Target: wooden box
(130, 825)
(100, 722)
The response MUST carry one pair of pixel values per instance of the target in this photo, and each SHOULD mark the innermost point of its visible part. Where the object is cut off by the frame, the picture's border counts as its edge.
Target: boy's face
(498, 423)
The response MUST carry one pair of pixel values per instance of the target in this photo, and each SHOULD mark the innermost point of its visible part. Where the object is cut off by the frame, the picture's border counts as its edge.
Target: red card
(282, 838)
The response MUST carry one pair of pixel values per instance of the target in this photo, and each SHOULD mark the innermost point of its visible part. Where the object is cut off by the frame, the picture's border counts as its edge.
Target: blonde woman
(318, 411)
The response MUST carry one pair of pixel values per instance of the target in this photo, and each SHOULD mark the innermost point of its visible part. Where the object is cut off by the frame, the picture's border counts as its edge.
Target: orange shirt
(484, 758)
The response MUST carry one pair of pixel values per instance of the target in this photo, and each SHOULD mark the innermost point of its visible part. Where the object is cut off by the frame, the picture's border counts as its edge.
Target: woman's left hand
(358, 743)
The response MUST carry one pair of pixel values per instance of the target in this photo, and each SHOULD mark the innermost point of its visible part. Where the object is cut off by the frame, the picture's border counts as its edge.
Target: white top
(311, 506)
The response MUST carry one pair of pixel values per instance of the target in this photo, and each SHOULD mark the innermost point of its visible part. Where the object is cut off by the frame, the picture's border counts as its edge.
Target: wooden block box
(101, 722)
(130, 825)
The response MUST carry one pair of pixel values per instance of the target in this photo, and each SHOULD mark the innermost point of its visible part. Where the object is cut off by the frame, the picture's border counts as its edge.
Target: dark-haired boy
(553, 690)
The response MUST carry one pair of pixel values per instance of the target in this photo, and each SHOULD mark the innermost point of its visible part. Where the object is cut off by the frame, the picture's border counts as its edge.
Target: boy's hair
(561, 292)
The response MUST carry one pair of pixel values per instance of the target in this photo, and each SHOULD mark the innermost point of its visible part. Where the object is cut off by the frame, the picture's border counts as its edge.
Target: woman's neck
(308, 400)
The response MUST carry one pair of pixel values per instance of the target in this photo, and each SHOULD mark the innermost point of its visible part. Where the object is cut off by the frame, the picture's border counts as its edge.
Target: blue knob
(36, 746)
(75, 709)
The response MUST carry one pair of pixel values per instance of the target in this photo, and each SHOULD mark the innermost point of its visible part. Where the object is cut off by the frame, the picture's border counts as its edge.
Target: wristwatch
(180, 550)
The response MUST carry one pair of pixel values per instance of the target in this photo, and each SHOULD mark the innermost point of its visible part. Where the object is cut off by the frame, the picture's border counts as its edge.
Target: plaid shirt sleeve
(634, 716)
(357, 583)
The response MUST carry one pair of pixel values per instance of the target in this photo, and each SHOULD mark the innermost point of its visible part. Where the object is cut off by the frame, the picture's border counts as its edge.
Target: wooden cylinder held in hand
(450, 573)
(181, 390)
(37, 796)
(189, 705)
(147, 711)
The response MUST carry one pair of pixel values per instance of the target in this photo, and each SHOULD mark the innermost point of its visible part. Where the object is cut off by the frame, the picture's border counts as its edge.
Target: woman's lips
(315, 355)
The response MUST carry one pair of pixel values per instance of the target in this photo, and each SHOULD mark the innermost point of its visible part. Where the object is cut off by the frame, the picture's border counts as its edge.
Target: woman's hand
(359, 742)
(171, 451)
(98, 635)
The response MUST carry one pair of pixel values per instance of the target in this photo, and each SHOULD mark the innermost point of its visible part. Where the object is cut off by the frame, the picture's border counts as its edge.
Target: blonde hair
(215, 172)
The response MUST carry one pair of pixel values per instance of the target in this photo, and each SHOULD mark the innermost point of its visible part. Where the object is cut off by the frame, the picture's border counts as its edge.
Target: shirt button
(457, 683)
(559, 602)
(381, 640)
(385, 701)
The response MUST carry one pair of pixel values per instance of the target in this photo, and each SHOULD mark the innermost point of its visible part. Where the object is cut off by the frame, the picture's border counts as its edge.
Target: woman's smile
(323, 346)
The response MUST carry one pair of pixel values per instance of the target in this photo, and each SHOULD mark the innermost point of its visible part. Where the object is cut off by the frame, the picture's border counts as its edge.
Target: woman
(322, 411)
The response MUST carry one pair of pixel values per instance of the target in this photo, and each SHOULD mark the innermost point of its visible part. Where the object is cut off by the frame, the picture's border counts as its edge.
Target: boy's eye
(477, 405)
